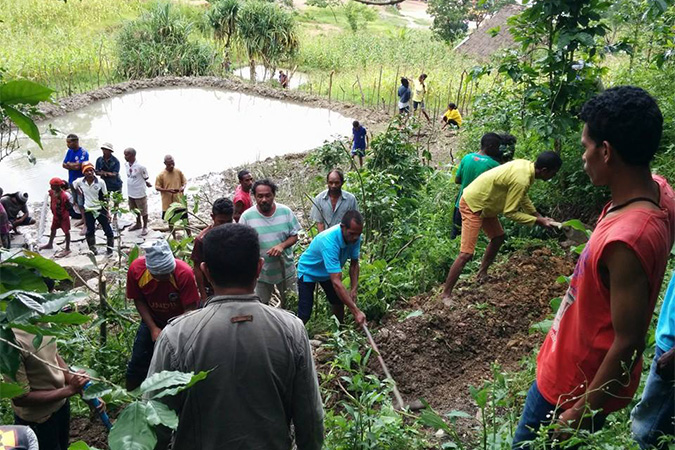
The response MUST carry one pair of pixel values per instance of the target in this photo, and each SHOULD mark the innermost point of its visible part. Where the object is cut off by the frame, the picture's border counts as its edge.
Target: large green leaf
(65, 318)
(23, 92)
(24, 123)
(173, 391)
(159, 413)
(133, 254)
(46, 267)
(10, 390)
(430, 418)
(132, 430)
(96, 390)
(9, 356)
(80, 445)
(54, 302)
(17, 312)
(20, 278)
(165, 379)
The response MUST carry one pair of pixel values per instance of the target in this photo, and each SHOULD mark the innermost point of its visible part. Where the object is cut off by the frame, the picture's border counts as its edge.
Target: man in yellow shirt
(502, 190)
(452, 117)
(171, 185)
(419, 91)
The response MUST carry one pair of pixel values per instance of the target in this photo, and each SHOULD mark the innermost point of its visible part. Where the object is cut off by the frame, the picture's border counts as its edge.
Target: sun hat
(107, 146)
(86, 166)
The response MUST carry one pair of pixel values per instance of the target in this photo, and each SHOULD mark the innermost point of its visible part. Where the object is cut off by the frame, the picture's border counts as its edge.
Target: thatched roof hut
(480, 44)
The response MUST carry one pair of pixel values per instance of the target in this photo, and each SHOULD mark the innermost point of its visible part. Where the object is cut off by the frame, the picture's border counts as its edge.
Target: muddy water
(205, 129)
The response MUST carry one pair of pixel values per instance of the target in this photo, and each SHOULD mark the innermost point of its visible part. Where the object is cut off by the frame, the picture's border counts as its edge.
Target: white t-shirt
(137, 175)
(91, 192)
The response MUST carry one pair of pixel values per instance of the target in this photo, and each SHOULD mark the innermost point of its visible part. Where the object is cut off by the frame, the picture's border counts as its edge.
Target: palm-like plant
(222, 17)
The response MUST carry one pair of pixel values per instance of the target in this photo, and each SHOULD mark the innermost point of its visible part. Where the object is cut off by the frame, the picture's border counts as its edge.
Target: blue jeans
(537, 412)
(141, 356)
(653, 416)
(306, 296)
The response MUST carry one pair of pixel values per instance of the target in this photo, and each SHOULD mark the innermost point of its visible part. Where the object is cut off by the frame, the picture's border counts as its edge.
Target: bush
(159, 43)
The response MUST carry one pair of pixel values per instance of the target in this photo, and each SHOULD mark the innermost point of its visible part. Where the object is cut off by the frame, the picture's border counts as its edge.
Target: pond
(205, 129)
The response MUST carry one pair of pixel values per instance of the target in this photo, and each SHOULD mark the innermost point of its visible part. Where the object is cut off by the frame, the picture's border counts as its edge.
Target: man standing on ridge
(502, 190)
(322, 263)
(278, 230)
(171, 185)
(419, 92)
(242, 195)
(108, 168)
(137, 184)
(94, 193)
(591, 360)
(330, 205)
(75, 156)
(470, 167)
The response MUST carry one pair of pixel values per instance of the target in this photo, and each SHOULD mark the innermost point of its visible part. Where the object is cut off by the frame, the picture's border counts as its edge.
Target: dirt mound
(438, 354)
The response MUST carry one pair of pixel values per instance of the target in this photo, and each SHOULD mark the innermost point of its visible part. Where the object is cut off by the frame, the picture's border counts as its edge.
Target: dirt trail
(438, 354)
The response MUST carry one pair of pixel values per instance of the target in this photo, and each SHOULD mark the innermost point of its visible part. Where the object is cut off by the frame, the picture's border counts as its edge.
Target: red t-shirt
(166, 299)
(582, 331)
(244, 197)
(59, 206)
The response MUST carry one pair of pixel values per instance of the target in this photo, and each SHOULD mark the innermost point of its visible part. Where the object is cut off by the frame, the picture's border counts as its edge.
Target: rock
(315, 343)
(416, 405)
(383, 334)
(439, 434)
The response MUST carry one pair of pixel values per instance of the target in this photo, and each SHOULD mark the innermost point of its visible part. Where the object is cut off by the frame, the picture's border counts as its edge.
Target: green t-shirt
(471, 166)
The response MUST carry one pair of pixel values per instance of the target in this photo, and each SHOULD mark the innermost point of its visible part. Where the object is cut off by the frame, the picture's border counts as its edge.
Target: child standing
(60, 205)
(359, 141)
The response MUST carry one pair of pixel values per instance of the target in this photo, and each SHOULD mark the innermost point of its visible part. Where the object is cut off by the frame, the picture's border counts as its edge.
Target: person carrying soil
(262, 376)
(108, 168)
(502, 190)
(419, 91)
(137, 184)
(171, 185)
(221, 213)
(16, 207)
(322, 263)
(470, 167)
(591, 360)
(46, 406)
(330, 205)
(359, 141)
(162, 288)
(242, 195)
(59, 203)
(654, 416)
(278, 230)
(452, 117)
(94, 191)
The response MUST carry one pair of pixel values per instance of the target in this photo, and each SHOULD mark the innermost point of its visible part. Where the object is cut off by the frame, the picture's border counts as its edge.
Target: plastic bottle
(96, 403)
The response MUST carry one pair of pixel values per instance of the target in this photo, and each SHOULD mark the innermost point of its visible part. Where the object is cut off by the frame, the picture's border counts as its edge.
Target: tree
(267, 32)
(223, 19)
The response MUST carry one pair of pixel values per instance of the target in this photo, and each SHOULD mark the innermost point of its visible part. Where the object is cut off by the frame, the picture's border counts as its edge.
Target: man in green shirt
(470, 167)
(502, 190)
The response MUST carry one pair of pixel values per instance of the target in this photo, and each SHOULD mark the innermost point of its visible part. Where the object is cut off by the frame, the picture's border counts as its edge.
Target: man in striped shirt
(277, 229)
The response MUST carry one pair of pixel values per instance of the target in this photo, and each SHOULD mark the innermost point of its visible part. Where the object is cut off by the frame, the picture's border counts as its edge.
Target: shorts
(472, 223)
(61, 222)
(403, 107)
(416, 104)
(359, 152)
(140, 204)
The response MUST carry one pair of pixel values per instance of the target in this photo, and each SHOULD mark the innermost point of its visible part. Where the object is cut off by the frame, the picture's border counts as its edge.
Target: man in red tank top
(591, 359)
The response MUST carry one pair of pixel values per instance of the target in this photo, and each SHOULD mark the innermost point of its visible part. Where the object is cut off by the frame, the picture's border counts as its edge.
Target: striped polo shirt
(273, 231)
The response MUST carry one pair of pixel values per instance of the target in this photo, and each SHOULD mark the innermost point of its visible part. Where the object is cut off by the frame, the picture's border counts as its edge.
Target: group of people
(215, 316)
(416, 94)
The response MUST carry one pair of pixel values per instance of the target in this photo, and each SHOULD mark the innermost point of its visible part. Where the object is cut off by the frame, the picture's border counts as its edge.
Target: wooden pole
(397, 394)
(379, 84)
(330, 85)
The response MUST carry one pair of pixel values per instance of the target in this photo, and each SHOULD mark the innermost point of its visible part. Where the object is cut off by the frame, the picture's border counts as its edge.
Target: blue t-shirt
(79, 156)
(665, 329)
(403, 94)
(327, 253)
(359, 135)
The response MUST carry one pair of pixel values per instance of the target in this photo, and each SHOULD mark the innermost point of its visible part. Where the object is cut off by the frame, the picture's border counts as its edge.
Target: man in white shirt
(95, 206)
(137, 182)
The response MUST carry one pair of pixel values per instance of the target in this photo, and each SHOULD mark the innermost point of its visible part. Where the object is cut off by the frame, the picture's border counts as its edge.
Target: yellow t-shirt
(453, 114)
(419, 90)
(170, 180)
(503, 190)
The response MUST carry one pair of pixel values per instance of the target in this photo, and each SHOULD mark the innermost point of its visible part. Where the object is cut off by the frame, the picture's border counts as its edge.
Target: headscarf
(159, 258)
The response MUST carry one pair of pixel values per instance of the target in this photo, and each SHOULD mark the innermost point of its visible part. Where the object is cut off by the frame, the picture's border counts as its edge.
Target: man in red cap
(60, 205)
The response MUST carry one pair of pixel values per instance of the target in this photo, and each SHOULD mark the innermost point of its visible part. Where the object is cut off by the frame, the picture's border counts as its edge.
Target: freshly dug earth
(437, 355)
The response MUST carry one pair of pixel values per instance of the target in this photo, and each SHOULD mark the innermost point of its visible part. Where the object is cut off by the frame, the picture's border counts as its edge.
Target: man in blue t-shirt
(654, 416)
(359, 141)
(322, 263)
(75, 156)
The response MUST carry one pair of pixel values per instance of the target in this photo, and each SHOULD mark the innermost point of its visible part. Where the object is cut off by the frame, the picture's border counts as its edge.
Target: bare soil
(437, 355)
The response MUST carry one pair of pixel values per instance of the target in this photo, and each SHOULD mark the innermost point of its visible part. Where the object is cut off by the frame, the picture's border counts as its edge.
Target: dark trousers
(456, 223)
(52, 434)
(102, 218)
(306, 296)
(141, 356)
(537, 412)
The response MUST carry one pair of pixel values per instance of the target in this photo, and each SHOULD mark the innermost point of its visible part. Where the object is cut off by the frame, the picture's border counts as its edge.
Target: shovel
(397, 394)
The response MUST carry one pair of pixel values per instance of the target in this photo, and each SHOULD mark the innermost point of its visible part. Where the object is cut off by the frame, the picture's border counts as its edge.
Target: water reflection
(205, 129)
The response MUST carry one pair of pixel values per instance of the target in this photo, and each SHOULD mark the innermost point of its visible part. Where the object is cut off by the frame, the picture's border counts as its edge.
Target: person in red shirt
(162, 288)
(242, 195)
(60, 206)
(590, 362)
(221, 213)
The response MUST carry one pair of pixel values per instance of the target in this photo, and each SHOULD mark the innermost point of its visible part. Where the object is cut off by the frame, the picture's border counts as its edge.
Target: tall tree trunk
(252, 70)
